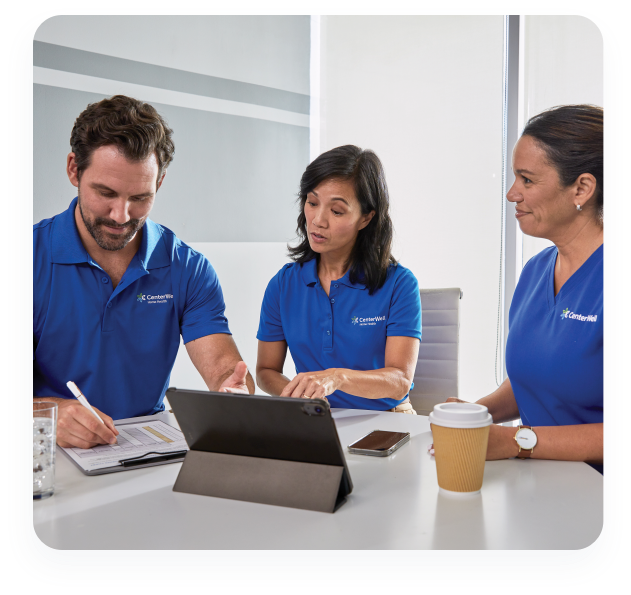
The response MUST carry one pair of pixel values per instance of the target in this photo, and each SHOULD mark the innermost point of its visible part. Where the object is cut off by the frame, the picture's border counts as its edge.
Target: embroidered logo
(573, 316)
(154, 299)
(372, 321)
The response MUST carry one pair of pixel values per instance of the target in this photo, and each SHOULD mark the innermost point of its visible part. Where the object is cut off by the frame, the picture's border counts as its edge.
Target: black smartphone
(379, 443)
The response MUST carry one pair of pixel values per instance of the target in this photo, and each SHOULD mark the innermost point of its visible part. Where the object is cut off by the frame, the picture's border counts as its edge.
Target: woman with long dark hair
(350, 315)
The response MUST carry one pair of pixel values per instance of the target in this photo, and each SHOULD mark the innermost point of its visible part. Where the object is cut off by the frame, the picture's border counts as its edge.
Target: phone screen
(379, 440)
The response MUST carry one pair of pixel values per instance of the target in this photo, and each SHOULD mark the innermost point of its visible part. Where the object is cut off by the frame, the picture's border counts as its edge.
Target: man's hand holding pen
(77, 426)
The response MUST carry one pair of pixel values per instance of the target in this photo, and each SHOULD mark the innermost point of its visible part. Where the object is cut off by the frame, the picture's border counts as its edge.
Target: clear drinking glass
(44, 440)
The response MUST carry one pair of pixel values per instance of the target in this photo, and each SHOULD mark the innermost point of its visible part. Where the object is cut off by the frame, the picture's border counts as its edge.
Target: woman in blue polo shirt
(554, 352)
(350, 315)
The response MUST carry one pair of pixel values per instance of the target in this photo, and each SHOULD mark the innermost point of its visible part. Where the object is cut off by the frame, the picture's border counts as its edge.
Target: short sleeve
(204, 308)
(270, 323)
(404, 317)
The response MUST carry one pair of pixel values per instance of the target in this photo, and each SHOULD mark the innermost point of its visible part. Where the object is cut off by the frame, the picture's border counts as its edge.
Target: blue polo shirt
(554, 351)
(117, 345)
(346, 329)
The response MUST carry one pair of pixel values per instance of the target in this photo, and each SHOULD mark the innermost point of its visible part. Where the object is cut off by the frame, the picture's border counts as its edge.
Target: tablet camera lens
(313, 409)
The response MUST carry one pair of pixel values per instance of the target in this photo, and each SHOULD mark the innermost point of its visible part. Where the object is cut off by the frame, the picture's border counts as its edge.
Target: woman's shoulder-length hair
(372, 253)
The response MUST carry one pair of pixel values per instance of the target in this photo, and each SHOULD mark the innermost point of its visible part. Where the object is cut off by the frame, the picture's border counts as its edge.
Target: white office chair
(436, 375)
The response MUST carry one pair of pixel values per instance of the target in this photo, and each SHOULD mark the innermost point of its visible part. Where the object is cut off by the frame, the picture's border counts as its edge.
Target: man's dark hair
(371, 254)
(133, 126)
(572, 139)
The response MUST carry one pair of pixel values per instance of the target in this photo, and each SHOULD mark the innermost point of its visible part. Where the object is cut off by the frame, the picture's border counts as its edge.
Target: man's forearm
(215, 357)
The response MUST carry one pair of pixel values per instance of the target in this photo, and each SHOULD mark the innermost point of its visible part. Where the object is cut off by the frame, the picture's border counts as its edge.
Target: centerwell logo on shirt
(367, 321)
(567, 314)
(154, 299)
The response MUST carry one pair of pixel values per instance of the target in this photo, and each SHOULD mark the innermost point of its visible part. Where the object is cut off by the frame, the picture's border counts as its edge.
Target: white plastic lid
(460, 415)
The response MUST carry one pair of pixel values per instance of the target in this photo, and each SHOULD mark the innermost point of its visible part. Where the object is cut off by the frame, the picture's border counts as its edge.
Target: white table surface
(395, 504)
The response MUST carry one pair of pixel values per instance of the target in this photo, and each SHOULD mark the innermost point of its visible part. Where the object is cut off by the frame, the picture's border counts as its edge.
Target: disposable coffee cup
(461, 435)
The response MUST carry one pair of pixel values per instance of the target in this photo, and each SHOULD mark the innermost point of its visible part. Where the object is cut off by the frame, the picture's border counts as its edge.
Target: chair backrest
(436, 375)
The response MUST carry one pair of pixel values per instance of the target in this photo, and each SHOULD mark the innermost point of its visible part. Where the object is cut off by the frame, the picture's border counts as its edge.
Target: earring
(578, 208)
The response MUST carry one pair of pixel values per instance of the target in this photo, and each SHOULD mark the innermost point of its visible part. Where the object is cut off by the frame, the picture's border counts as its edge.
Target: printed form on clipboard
(140, 444)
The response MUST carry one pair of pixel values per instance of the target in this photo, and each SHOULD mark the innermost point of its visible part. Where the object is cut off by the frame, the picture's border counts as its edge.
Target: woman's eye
(527, 181)
(336, 212)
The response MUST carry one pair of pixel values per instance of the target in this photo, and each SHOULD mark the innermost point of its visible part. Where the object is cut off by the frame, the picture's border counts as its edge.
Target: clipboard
(145, 441)
(269, 450)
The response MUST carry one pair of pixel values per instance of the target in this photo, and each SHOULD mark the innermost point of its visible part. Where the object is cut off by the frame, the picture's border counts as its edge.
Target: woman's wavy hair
(371, 254)
(133, 126)
(572, 139)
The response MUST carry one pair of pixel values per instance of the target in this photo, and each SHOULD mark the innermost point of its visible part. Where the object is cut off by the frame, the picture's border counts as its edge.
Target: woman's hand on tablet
(313, 385)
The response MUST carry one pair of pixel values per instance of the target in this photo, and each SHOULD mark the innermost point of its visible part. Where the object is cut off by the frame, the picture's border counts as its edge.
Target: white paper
(134, 439)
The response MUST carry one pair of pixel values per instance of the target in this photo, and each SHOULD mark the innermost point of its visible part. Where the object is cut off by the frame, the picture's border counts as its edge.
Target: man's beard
(105, 240)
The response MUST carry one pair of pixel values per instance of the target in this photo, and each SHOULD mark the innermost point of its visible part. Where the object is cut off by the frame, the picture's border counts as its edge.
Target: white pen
(74, 389)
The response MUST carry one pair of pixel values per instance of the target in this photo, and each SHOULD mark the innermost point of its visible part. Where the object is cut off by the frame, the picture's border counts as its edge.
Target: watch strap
(523, 453)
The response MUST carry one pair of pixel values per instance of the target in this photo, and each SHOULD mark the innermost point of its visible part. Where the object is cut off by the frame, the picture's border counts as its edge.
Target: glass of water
(44, 436)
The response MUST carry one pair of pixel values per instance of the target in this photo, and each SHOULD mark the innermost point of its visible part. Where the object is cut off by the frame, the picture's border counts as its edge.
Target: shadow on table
(342, 422)
(461, 517)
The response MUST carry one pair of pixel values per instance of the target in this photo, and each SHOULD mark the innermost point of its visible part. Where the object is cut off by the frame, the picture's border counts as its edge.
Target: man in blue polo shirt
(113, 290)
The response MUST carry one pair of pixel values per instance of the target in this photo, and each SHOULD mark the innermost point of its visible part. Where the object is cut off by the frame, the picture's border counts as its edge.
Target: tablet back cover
(259, 426)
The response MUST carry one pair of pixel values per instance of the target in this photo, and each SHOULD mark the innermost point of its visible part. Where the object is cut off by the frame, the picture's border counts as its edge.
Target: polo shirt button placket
(107, 314)
(107, 318)
(328, 339)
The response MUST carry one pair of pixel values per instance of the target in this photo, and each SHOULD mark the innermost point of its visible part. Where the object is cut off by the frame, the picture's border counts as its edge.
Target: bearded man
(113, 291)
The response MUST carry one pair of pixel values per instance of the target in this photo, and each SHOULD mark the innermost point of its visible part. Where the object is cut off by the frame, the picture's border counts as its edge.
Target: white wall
(425, 93)
(251, 49)
(563, 63)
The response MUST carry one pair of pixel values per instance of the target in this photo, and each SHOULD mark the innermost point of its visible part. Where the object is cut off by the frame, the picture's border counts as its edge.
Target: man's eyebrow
(98, 186)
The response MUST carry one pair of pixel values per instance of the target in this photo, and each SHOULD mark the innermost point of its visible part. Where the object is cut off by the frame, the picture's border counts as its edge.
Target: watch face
(526, 438)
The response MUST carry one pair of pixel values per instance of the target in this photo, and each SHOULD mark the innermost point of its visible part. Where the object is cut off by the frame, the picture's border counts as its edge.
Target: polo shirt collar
(346, 281)
(152, 253)
(67, 247)
(309, 273)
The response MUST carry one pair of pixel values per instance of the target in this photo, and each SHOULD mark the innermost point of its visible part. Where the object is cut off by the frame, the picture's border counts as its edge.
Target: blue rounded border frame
(77, 568)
